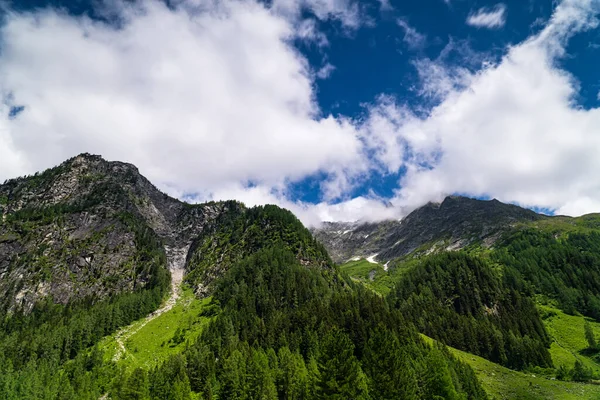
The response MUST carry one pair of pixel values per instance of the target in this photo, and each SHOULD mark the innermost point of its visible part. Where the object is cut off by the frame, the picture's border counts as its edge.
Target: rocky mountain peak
(86, 228)
(452, 224)
(91, 228)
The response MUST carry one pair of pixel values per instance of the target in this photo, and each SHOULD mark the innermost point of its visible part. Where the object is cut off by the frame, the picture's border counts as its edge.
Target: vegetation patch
(372, 275)
(569, 343)
(167, 334)
(503, 383)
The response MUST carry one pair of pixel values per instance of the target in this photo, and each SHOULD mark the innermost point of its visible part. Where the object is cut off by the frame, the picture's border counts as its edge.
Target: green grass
(370, 274)
(562, 226)
(502, 383)
(374, 276)
(153, 342)
(568, 337)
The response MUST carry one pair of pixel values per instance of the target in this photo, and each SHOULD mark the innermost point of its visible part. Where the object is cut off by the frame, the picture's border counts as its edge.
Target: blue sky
(336, 109)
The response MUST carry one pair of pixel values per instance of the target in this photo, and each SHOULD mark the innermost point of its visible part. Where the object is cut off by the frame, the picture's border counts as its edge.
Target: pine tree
(293, 375)
(233, 377)
(437, 377)
(136, 386)
(390, 374)
(341, 376)
(261, 383)
(580, 373)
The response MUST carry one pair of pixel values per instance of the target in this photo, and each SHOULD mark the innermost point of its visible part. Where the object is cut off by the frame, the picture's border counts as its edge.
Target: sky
(338, 110)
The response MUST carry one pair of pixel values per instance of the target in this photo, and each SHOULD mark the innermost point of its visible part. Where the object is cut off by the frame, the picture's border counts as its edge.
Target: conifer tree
(136, 386)
(341, 376)
(390, 374)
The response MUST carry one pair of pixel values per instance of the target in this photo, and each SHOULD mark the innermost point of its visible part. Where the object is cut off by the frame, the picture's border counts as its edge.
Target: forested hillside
(460, 300)
(285, 331)
(90, 246)
(281, 330)
(92, 255)
(501, 302)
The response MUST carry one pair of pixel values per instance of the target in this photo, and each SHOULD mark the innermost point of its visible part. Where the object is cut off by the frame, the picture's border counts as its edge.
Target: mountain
(90, 228)
(112, 289)
(453, 224)
(493, 280)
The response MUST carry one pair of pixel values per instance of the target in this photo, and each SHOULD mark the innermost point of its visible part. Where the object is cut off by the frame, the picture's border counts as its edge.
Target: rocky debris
(176, 258)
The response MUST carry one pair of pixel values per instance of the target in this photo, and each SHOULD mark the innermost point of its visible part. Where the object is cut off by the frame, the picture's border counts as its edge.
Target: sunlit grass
(153, 342)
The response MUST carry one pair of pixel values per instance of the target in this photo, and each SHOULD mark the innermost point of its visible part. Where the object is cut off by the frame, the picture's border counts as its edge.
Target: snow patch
(371, 259)
(385, 266)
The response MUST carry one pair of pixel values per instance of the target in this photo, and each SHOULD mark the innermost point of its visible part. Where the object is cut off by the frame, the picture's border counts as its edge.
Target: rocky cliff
(89, 229)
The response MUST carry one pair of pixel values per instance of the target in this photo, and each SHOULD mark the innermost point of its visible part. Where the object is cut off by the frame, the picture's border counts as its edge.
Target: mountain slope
(88, 229)
(515, 291)
(455, 223)
(280, 322)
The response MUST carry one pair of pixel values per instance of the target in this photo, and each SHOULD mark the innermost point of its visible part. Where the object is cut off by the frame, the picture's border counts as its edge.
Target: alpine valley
(111, 289)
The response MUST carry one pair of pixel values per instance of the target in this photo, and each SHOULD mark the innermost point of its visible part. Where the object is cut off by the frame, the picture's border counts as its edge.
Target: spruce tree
(341, 376)
(390, 374)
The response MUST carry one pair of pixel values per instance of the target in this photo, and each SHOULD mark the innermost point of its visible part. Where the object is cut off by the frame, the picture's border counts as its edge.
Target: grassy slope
(374, 276)
(565, 225)
(153, 342)
(568, 338)
(502, 383)
(370, 274)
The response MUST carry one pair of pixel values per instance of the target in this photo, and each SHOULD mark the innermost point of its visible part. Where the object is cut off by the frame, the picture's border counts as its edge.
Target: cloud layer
(213, 101)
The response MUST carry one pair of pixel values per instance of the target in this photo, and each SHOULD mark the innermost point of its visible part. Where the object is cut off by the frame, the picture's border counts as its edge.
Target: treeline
(460, 300)
(290, 332)
(567, 270)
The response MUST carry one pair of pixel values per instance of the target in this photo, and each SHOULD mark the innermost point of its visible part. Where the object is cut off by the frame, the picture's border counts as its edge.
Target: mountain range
(110, 288)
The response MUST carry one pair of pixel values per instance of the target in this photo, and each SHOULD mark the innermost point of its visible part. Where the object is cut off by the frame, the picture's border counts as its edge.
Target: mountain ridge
(81, 230)
(454, 223)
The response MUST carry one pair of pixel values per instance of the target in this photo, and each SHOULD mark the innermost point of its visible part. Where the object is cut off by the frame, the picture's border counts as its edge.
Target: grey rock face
(450, 225)
(75, 231)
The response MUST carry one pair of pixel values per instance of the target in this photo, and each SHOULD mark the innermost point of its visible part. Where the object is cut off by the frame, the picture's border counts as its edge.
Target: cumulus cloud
(491, 18)
(512, 132)
(219, 97)
(211, 98)
(363, 208)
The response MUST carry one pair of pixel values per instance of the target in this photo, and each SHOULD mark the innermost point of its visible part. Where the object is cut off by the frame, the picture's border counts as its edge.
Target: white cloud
(510, 131)
(385, 5)
(219, 96)
(308, 31)
(363, 208)
(492, 18)
(413, 38)
(208, 99)
(347, 12)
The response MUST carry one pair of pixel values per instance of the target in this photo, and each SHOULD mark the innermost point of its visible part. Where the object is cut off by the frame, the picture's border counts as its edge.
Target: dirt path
(176, 264)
